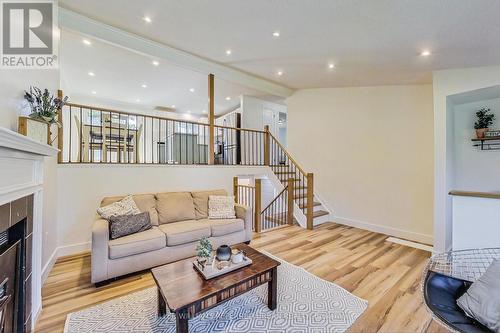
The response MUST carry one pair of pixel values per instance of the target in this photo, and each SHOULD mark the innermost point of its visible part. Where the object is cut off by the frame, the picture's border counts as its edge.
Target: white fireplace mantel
(21, 174)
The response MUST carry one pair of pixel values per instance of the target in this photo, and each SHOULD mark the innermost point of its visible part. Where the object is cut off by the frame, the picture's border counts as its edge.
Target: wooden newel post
(235, 189)
(211, 119)
(267, 145)
(310, 200)
(60, 138)
(290, 196)
(258, 205)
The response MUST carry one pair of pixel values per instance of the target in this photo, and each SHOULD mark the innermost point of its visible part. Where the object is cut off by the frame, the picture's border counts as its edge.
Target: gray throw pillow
(124, 225)
(482, 300)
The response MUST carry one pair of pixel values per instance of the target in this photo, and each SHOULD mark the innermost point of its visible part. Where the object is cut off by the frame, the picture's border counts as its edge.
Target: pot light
(191, 89)
(228, 52)
(94, 92)
(188, 111)
(87, 42)
(91, 74)
(276, 34)
(156, 63)
(138, 100)
(144, 85)
(279, 73)
(173, 106)
(147, 19)
(425, 53)
(204, 111)
(331, 66)
(228, 98)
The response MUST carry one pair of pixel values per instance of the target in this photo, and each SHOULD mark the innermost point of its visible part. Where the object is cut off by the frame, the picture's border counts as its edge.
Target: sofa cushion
(145, 203)
(200, 199)
(221, 227)
(174, 207)
(144, 241)
(125, 206)
(185, 232)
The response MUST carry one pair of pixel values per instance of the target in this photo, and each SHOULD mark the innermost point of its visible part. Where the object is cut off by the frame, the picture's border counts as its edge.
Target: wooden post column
(267, 145)
(235, 189)
(60, 138)
(310, 200)
(258, 205)
(211, 118)
(290, 196)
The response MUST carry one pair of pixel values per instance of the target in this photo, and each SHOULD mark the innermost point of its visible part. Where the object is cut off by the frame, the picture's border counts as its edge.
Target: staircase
(288, 172)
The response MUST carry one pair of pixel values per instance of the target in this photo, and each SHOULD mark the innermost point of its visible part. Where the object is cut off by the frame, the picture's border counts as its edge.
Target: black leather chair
(440, 295)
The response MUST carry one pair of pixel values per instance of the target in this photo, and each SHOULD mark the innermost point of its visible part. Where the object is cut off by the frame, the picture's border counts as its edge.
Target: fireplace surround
(21, 205)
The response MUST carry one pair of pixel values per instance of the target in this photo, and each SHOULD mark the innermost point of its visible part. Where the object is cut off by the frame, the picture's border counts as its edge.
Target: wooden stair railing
(286, 168)
(279, 212)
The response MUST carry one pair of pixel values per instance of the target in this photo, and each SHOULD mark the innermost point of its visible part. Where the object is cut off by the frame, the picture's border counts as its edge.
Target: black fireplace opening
(12, 276)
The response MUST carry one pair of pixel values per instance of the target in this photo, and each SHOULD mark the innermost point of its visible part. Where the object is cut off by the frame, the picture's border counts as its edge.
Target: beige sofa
(179, 219)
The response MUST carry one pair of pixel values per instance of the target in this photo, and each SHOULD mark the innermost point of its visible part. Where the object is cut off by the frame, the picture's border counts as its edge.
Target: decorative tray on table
(217, 268)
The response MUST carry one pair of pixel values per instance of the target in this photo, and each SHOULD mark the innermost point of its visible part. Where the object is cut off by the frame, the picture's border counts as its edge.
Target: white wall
(371, 151)
(445, 84)
(12, 85)
(474, 169)
(81, 188)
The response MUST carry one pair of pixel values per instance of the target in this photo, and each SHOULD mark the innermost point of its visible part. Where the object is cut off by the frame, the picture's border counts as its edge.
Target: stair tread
(315, 204)
(319, 213)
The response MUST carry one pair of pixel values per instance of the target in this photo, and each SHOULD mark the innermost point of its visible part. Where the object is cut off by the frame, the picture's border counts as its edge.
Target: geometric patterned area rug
(306, 303)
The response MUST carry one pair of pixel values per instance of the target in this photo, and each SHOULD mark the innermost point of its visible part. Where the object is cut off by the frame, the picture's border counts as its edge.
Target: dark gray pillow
(482, 300)
(124, 225)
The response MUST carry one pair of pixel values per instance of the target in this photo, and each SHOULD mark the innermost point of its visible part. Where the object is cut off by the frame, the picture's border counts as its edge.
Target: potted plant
(204, 252)
(44, 106)
(483, 122)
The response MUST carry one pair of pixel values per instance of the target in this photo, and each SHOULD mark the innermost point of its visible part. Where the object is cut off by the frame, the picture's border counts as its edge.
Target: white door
(271, 118)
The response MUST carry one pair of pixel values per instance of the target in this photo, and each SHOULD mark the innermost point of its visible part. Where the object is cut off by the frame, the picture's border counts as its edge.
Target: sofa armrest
(245, 213)
(100, 250)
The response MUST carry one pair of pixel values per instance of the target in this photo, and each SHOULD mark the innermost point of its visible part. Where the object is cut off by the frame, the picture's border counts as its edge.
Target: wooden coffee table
(186, 293)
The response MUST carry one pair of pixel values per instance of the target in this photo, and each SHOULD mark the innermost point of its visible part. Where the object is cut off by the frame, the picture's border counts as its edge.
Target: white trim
(16, 141)
(411, 244)
(49, 265)
(68, 250)
(410, 235)
(87, 26)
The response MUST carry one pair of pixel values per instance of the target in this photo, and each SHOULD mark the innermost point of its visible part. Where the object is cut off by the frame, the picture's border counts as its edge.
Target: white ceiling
(120, 74)
(370, 42)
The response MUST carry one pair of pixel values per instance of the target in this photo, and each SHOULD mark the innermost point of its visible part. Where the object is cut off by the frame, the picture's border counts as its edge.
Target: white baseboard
(67, 250)
(415, 245)
(62, 251)
(390, 231)
(48, 266)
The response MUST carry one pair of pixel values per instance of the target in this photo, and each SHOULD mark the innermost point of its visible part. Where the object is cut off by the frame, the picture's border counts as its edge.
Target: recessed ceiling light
(94, 92)
(331, 66)
(188, 111)
(138, 100)
(91, 74)
(204, 111)
(87, 42)
(228, 98)
(156, 63)
(279, 73)
(191, 89)
(228, 52)
(276, 34)
(147, 19)
(425, 53)
(144, 85)
(173, 106)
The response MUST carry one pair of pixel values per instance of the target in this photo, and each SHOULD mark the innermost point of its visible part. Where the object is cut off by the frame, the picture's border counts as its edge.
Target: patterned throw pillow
(221, 207)
(126, 206)
(124, 225)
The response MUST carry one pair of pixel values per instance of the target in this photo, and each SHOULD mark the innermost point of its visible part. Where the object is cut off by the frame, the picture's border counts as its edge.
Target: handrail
(275, 199)
(288, 155)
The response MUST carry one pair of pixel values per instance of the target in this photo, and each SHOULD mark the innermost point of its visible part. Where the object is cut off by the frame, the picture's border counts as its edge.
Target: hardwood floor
(386, 274)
